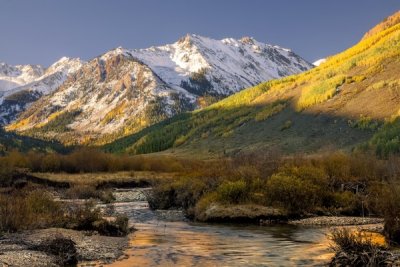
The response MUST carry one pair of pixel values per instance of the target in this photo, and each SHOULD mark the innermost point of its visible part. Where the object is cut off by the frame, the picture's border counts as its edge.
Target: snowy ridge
(21, 85)
(229, 64)
(14, 76)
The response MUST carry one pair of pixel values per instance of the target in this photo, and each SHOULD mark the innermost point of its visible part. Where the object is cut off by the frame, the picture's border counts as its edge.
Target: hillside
(124, 91)
(10, 142)
(352, 99)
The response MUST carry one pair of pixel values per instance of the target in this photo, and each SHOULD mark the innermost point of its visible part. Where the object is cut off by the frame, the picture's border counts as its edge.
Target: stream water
(165, 238)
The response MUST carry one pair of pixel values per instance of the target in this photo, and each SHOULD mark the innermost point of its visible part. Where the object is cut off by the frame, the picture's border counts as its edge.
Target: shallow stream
(165, 238)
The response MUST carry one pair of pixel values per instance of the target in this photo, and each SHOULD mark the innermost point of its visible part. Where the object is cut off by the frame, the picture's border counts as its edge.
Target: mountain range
(351, 101)
(124, 91)
(24, 84)
(212, 98)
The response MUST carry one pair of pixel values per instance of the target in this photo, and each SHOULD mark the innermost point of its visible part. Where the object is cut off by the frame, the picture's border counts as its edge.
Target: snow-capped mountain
(123, 91)
(22, 85)
(14, 76)
(229, 65)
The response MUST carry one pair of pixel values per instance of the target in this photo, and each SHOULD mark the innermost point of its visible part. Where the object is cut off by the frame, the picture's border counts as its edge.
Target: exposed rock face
(112, 94)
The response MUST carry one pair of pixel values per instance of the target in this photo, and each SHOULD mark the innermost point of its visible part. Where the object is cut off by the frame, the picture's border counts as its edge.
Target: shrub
(35, 209)
(357, 249)
(162, 196)
(390, 205)
(347, 203)
(29, 210)
(6, 174)
(81, 191)
(88, 218)
(63, 248)
(107, 196)
(356, 241)
(117, 227)
(204, 202)
(183, 192)
(233, 192)
(297, 189)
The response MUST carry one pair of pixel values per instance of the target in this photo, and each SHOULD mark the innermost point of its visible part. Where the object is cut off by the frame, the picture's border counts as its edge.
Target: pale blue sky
(41, 31)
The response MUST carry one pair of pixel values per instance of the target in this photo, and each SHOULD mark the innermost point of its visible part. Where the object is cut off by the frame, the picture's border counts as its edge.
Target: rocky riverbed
(21, 249)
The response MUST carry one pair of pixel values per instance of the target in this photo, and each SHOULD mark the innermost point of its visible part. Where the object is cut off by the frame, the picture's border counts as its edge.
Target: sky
(42, 31)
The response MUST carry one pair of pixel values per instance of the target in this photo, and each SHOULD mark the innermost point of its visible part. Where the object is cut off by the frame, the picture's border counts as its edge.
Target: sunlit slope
(343, 103)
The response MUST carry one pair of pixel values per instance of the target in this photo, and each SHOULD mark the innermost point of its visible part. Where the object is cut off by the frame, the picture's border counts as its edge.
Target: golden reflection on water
(181, 244)
(151, 248)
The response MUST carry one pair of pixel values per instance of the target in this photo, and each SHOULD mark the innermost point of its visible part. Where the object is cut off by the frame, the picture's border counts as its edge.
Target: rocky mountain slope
(219, 67)
(123, 91)
(23, 84)
(351, 101)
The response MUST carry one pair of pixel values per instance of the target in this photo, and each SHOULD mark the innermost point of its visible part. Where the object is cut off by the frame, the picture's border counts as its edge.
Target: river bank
(21, 249)
(338, 221)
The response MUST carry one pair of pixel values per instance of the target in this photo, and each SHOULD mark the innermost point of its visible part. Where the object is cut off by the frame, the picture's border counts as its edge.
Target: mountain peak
(190, 39)
(115, 52)
(248, 40)
(65, 65)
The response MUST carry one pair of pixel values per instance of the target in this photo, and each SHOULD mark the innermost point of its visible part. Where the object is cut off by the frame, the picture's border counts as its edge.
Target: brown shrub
(29, 210)
(83, 191)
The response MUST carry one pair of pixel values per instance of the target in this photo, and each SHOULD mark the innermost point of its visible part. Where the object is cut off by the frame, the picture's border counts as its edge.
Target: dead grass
(99, 178)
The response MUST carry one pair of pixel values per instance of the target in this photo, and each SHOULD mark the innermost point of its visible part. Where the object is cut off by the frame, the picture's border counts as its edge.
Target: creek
(166, 238)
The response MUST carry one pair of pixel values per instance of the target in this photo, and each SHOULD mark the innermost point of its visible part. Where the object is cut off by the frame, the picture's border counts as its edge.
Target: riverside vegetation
(244, 188)
(338, 183)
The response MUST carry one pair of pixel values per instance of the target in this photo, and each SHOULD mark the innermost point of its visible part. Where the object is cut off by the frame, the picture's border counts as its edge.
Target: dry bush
(83, 191)
(29, 210)
(357, 249)
(63, 248)
(390, 207)
(88, 218)
(26, 210)
(89, 160)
